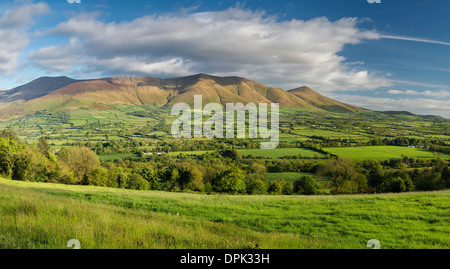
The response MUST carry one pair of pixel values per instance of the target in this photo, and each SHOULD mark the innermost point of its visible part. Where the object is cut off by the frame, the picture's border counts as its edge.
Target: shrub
(275, 187)
(305, 185)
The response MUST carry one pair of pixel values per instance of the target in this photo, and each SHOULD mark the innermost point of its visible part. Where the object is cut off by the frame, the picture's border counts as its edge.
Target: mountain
(407, 113)
(314, 98)
(35, 89)
(63, 93)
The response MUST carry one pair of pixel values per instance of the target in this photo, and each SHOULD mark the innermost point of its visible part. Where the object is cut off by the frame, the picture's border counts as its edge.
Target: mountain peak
(65, 93)
(36, 88)
(316, 99)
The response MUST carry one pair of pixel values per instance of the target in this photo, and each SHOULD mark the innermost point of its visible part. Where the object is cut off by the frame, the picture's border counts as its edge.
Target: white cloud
(231, 42)
(13, 36)
(442, 94)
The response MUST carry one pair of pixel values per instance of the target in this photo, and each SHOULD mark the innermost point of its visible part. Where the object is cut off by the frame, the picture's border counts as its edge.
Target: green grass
(384, 153)
(44, 215)
(280, 152)
(288, 176)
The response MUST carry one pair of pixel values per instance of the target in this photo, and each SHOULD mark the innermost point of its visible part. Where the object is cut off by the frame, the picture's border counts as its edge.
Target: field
(45, 215)
(280, 152)
(287, 176)
(384, 153)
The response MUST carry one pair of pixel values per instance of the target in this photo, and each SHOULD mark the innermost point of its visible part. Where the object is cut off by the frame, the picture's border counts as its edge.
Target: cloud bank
(14, 37)
(236, 41)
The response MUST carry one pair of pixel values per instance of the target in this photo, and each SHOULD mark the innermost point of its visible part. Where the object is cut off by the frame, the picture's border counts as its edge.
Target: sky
(393, 55)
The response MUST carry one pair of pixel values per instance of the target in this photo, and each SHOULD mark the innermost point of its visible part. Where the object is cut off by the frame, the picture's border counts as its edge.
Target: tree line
(221, 171)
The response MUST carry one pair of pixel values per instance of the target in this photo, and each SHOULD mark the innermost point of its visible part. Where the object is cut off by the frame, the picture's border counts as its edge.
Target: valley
(116, 164)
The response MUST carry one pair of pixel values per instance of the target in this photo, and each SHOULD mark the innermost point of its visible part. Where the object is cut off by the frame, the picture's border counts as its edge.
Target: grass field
(384, 153)
(45, 215)
(280, 152)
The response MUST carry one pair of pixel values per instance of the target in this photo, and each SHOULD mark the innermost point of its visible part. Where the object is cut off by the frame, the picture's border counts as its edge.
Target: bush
(288, 188)
(395, 185)
(305, 185)
(275, 187)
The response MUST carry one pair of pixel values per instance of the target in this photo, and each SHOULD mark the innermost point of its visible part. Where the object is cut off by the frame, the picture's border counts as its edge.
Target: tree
(43, 146)
(396, 184)
(96, 177)
(231, 181)
(10, 134)
(258, 168)
(149, 174)
(233, 154)
(137, 182)
(190, 178)
(8, 147)
(80, 160)
(275, 187)
(305, 185)
(374, 173)
(344, 178)
(256, 184)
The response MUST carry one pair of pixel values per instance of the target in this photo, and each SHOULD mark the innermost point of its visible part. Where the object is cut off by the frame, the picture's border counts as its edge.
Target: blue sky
(388, 56)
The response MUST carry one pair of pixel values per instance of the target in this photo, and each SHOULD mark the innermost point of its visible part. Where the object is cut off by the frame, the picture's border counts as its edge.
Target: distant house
(161, 153)
(148, 153)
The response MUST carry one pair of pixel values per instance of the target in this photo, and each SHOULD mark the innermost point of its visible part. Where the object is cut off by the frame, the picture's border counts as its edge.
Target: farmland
(223, 193)
(384, 153)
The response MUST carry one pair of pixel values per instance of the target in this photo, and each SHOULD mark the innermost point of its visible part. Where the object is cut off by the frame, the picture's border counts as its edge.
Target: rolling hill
(325, 103)
(63, 93)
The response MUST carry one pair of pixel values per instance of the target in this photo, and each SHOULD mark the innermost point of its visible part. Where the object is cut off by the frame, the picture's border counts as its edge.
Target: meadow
(46, 215)
(281, 152)
(288, 176)
(384, 153)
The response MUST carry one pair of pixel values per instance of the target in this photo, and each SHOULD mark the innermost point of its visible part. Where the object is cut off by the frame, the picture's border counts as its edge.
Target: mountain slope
(35, 89)
(149, 90)
(63, 93)
(325, 103)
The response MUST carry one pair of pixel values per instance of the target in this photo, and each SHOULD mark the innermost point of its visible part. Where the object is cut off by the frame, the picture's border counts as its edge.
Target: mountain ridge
(64, 93)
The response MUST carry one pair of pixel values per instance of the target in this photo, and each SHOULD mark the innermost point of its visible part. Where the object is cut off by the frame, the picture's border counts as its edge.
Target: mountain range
(64, 93)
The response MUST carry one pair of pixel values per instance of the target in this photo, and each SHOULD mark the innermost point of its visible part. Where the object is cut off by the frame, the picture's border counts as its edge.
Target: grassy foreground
(44, 215)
